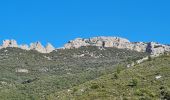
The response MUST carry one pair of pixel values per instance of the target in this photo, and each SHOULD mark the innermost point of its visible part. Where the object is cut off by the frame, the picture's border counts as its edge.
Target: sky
(58, 21)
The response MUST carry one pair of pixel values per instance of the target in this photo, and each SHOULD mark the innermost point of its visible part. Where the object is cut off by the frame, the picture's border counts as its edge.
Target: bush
(145, 92)
(165, 93)
(116, 76)
(133, 83)
(94, 86)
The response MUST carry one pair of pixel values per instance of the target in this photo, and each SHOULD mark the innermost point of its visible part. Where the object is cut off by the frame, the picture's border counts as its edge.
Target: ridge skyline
(153, 48)
(44, 42)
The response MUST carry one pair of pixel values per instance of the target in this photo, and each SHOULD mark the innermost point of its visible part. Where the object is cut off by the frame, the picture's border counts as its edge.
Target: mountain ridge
(33, 46)
(101, 41)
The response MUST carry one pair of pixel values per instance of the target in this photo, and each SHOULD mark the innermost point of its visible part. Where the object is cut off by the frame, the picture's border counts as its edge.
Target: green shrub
(165, 92)
(167, 95)
(94, 86)
(116, 76)
(75, 90)
(133, 82)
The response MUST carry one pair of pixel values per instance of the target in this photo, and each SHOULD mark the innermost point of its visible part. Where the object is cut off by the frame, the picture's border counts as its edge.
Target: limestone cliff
(121, 43)
(33, 46)
(117, 42)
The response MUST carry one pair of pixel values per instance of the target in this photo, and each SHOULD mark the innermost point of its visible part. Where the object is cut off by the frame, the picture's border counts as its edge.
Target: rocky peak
(97, 41)
(33, 46)
(25, 47)
(121, 43)
(117, 42)
(38, 47)
(78, 42)
(156, 48)
(49, 48)
(9, 43)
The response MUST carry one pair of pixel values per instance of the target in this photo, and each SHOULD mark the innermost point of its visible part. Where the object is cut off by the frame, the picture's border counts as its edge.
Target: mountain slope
(31, 75)
(147, 81)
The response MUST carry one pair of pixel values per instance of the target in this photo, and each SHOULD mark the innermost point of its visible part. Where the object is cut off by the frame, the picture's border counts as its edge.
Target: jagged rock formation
(33, 46)
(9, 43)
(98, 41)
(49, 48)
(79, 42)
(24, 46)
(37, 46)
(151, 47)
(156, 48)
(117, 42)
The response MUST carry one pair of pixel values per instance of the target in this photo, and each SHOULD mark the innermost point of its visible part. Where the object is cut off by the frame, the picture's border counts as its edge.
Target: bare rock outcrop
(117, 42)
(156, 48)
(33, 46)
(139, 46)
(38, 47)
(121, 43)
(49, 48)
(98, 41)
(24, 46)
(9, 43)
(79, 42)
(103, 42)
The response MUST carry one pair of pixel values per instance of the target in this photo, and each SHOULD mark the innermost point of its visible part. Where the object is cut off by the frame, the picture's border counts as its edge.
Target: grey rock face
(9, 43)
(139, 46)
(25, 47)
(49, 48)
(106, 42)
(121, 43)
(79, 42)
(98, 41)
(156, 48)
(33, 46)
(117, 42)
(38, 47)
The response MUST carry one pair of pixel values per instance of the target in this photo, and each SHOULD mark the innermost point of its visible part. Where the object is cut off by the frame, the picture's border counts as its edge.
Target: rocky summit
(117, 42)
(33, 46)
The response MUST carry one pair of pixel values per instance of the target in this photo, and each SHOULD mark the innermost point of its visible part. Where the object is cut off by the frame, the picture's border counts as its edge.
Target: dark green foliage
(165, 93)
(118, 70)
(133, 82)
(94, 86)
(116, 76)
(29, 81)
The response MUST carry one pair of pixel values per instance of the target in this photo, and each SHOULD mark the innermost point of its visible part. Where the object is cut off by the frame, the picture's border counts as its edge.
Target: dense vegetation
(147, 81)
(29, 75)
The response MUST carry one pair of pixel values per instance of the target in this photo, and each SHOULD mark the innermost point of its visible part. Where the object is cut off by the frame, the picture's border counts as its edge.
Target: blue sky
(58, 21)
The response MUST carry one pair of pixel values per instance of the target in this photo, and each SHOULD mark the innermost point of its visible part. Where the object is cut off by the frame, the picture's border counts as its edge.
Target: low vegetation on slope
(147, 81)
(29, 75)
